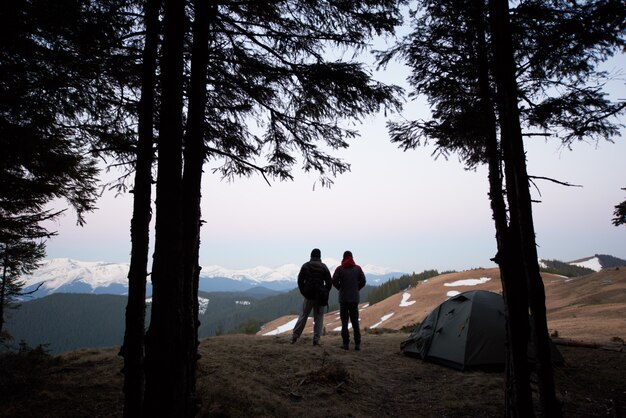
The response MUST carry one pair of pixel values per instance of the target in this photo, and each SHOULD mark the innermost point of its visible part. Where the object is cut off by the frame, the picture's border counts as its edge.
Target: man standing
(349, 279)
(314, 282)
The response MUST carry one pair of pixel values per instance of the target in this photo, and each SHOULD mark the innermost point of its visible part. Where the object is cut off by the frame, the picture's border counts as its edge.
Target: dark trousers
(309, 305)
(350, 311)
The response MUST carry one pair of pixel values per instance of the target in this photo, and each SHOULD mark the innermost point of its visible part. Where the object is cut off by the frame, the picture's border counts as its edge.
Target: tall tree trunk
(166, 367)
(194, 156)
(518, 397)
(3, 287)
(518, 195)
(133, 346)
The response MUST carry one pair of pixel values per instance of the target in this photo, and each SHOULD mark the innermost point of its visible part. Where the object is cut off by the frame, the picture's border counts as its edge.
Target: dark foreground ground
(253, 376)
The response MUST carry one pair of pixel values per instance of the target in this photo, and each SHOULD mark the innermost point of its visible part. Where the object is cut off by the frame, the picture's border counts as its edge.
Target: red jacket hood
(348, 262)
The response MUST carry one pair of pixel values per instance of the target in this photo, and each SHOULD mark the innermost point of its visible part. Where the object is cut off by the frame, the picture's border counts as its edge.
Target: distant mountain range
(64, 275)
(77, 313)
(71, 320)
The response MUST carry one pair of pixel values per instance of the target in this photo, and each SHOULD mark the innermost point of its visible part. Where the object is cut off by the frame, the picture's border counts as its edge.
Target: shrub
(250, 326)
(409, 328)
(24, 369)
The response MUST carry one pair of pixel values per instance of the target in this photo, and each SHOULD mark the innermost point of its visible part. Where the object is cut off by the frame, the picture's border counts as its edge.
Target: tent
(465, 331)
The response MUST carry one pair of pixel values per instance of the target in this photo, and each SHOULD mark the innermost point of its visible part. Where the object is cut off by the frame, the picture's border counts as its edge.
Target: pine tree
(57, 87)
(166, 391)
(133, 346)
(469, 73)
(20, 254)
(620, 213)
(266, 63)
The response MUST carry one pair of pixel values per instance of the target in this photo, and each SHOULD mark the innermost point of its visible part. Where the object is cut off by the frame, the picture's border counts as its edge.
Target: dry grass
(590, 308)
(244, 376)
(268, 377)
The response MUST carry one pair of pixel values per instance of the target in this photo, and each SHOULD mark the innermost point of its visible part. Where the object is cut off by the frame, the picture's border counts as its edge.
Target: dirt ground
(246, 376)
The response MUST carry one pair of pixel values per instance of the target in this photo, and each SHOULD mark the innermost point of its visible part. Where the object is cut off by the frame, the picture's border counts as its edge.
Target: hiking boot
(293, 340)
(345, 347)
(316, 343)
(357, 347)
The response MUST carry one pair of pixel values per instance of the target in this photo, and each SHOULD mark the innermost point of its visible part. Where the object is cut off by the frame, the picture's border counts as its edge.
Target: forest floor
(254, 376)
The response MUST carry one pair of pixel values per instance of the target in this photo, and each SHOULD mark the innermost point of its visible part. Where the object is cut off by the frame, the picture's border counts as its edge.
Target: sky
(405, 211)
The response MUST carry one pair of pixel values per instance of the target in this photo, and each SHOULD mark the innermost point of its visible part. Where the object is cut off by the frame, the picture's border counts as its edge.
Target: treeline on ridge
(405, 281)
(393, 286)
(564, 269)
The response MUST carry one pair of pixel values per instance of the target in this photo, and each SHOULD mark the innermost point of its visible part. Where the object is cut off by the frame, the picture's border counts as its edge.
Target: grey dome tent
(465, 331)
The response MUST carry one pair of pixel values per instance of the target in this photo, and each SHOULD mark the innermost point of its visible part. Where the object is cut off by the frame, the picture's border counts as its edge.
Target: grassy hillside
(589, 308)
(244, 376)
(399, 284)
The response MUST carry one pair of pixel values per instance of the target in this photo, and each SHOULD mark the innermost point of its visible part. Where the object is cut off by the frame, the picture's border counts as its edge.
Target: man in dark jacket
(349, 279)
(314, 282)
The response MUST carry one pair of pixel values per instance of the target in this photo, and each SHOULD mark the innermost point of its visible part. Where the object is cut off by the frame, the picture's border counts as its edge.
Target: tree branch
(554, 181)
(241, 161)
(32, 291)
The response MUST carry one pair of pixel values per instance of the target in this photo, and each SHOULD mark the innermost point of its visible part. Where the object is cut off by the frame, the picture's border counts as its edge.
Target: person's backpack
(313, 286)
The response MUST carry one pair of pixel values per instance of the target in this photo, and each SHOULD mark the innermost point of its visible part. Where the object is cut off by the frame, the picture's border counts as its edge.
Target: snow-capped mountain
(63, 275)
(72, 276)
(284, 272)
(259, 274)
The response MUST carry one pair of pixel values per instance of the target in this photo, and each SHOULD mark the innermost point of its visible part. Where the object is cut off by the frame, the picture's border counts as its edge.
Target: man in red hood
(349, 279)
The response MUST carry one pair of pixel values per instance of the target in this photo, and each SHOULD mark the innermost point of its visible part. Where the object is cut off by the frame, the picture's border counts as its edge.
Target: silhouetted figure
(349, 279)
(314, 282)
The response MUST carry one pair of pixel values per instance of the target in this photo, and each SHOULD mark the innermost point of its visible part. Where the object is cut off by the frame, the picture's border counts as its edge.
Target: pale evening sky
(401, 210)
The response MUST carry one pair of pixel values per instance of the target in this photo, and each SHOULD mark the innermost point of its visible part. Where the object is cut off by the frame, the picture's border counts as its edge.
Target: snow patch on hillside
(405, 300)
(203, 303)
(283, 328)
(592, 263)
(383, 319)
(337, 329)
(468, 282)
